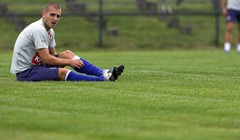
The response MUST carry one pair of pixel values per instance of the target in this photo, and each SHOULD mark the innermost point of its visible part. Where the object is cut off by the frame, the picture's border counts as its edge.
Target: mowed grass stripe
(161, 95)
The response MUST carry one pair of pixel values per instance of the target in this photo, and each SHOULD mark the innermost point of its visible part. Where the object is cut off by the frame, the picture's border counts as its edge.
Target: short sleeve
(40, 38)
(52, 42)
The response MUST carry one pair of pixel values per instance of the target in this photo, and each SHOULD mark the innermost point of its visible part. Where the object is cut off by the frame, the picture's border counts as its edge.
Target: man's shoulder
(36, 28)
(37, 25)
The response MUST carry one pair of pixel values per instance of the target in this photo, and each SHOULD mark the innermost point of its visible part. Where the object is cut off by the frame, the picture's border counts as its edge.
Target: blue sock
(89, 69)
(81, 77)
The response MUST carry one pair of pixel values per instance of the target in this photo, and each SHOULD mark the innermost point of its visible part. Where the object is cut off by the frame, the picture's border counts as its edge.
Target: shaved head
(53, 5)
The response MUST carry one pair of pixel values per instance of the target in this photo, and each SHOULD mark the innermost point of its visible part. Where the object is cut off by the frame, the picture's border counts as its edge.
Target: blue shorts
(39, 73)
(233, 16)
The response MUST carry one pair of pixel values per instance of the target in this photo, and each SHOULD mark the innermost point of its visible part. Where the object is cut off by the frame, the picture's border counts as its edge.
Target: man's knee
(229, 30)
(67, 54)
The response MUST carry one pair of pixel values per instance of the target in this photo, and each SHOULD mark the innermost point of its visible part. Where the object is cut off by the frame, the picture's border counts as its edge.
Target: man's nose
(55, 18)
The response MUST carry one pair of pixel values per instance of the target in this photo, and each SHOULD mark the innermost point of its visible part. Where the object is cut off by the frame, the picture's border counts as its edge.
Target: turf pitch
(161, 95)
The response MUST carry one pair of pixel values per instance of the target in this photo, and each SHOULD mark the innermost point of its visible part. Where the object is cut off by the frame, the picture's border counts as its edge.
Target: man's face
(51, 17)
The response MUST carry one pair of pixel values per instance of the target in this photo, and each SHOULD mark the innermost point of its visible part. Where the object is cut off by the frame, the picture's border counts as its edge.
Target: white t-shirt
(33, 37)
(233, 4)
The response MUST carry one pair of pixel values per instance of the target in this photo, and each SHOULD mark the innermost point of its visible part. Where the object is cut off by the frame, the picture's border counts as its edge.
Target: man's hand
(76, 63)
(224, 11)
(224, 7)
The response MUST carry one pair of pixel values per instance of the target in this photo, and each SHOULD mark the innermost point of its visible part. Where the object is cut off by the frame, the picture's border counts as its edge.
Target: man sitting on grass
(35, 58)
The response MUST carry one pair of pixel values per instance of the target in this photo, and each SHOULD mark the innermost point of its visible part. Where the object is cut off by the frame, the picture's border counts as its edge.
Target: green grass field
(162, 95)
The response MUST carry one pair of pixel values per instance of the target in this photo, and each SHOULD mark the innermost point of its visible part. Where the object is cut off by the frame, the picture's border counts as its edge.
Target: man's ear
(43, 14)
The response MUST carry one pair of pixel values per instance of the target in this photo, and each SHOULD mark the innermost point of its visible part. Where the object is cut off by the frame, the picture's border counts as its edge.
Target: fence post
(100, 14)
(216, 4)
(217, 30)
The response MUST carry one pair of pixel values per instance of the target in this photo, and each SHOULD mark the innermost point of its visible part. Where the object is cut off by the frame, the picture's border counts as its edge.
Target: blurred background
(121, 24)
